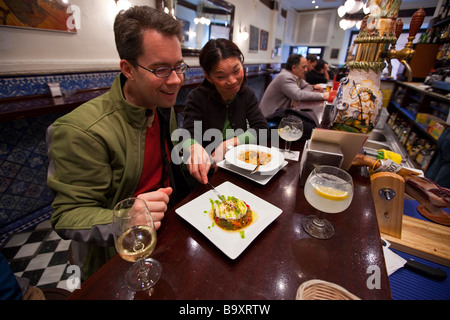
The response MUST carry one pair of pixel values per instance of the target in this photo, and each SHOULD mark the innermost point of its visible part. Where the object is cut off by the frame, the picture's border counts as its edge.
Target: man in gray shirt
(288, 86)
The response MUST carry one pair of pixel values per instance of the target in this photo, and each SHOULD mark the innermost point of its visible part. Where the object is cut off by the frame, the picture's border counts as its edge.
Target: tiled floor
(39, 255)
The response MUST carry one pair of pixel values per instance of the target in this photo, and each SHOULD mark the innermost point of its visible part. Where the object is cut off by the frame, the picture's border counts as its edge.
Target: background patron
(290, 86)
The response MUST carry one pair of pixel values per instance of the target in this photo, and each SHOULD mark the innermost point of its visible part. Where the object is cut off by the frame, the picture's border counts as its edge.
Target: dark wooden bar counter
(275, 264)
(31, 106)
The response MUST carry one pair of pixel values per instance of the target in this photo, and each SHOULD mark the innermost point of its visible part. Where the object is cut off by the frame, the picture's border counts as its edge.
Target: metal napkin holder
(316, 153)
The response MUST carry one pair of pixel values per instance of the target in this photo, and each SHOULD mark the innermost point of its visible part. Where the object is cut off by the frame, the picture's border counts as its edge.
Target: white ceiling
(301, 5)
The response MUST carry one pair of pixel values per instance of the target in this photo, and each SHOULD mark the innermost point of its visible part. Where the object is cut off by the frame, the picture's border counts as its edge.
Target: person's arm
(330, 73)
(199, 161)
(80, 175)
(296, 93)
(326, 71)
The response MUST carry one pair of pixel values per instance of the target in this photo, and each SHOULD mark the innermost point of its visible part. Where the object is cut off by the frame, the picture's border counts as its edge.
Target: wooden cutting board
(423, 239)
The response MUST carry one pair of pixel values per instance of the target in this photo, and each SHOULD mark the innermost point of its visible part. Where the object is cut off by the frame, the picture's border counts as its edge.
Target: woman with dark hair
(223, 111)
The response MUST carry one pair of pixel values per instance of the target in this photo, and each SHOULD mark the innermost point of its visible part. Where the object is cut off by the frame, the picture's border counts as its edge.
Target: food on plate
(255, 157)
(232, 214)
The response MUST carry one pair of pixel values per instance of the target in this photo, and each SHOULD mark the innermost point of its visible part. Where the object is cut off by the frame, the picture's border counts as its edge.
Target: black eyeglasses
(164, 72)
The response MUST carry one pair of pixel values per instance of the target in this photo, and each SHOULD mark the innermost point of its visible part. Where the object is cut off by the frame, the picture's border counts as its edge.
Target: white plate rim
(230, 243)
(262, 179)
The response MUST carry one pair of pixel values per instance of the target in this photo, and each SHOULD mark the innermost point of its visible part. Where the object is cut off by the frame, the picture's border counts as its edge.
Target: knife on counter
(423, 269)
(420, 268)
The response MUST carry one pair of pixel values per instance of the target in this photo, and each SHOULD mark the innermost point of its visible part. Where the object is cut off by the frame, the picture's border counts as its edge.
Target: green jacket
(96, 155)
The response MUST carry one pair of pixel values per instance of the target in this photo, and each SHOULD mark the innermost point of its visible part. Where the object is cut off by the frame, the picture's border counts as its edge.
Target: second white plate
(277, 158)
(256, 177)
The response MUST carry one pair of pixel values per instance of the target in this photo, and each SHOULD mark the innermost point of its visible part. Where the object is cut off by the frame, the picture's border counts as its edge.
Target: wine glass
(290, 129)
(135, 239)
(328, 189)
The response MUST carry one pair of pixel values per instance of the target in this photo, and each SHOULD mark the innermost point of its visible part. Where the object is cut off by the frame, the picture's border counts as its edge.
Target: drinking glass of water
(290, 129)
(330, 190)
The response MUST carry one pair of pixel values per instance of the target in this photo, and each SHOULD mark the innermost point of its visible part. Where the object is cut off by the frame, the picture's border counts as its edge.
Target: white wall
(253, 12)
(92, 47)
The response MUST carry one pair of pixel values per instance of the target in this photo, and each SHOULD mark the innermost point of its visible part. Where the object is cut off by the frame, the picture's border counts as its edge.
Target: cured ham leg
(428, 193)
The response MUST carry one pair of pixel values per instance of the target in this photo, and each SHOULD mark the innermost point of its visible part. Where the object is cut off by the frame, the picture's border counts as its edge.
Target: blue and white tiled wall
(25, 198)
(18, 86)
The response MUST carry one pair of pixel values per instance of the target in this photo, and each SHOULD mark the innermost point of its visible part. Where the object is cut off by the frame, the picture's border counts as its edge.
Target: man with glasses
(118, 145)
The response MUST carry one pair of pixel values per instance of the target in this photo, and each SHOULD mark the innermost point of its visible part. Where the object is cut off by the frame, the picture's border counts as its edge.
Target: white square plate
(230, 242)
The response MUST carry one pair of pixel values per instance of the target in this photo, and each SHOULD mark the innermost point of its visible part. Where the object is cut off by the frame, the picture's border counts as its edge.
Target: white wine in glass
(328, 189)
(290, 129)
(135, 239)
(136, 243)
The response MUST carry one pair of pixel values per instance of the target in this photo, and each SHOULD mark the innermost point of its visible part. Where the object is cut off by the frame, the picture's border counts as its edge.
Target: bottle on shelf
(424, 36)
(411, 142)
(425, 155)
(405, 133)
(431, 35)
(416, 148)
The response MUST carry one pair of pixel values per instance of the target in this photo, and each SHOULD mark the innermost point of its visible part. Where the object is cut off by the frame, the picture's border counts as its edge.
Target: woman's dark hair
(293, 60)
(130, 25)
(216, 50)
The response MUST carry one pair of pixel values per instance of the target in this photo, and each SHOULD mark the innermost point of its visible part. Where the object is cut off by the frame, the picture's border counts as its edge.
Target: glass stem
(318, 220)
(287, 146)
(143, 270)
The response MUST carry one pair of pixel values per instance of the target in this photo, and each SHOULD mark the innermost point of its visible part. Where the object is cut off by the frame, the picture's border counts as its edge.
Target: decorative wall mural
(38, 14)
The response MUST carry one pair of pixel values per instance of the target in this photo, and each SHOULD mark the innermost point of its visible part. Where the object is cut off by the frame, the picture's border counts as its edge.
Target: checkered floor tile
(39, 255)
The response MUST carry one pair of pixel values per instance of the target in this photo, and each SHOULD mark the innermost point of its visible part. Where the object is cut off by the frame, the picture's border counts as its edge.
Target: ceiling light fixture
(349, 8)
(122, 4)
(347, 24)
(353, 6)
(366, 9)
(341, 11)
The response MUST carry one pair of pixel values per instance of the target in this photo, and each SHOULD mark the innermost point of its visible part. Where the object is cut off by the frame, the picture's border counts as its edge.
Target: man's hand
(199, 163)
(157, 203)
(317, 87)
